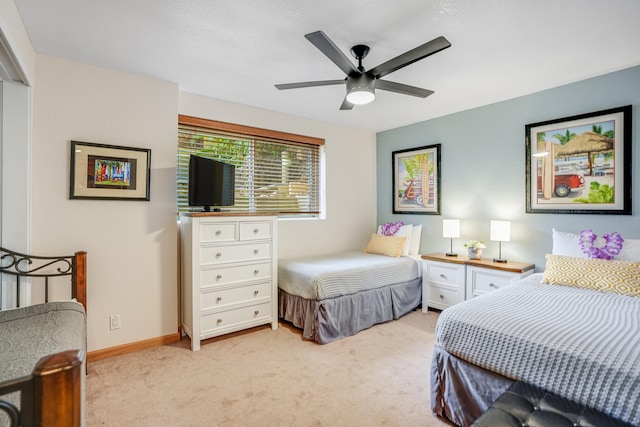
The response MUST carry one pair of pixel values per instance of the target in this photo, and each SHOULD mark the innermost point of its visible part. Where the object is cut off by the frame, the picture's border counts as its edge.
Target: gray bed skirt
(460, 391)
(334, 318)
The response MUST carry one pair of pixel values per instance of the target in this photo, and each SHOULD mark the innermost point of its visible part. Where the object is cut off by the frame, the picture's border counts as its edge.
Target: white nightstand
(449, 280)
(443, 281)
(485, 275)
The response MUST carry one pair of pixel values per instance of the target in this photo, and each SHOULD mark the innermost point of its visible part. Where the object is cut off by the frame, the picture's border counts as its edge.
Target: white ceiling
(236, 50)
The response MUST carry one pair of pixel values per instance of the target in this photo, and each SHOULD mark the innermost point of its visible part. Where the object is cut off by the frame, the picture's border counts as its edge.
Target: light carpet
(262, 377)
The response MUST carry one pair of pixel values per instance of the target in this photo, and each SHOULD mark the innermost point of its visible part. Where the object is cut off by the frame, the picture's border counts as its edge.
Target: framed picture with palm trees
(580, 164)
(416, 180)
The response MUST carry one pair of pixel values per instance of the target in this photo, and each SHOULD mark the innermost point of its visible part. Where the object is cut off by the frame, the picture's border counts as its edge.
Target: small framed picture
(580, 164)
(100, 171)
(416, 180)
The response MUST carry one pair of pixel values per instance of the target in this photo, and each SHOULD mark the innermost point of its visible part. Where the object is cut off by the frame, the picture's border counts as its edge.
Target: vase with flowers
(475, 248)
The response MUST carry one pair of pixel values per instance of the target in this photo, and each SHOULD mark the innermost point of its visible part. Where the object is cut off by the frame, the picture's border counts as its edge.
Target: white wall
(350, 172)
(131, 245)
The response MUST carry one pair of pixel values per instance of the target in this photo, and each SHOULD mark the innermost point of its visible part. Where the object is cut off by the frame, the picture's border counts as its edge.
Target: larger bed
(581, 344)
(335, 296)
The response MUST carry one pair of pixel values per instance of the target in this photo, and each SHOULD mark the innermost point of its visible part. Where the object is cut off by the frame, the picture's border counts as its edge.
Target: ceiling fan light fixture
(360, 96)
(360, 90)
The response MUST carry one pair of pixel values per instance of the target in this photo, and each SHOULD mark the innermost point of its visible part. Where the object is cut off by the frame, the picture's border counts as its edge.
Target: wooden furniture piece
(229, 273)
(51, 392)
(448, 280)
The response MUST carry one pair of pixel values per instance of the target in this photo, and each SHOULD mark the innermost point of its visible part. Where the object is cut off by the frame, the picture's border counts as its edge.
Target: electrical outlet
(114, 321)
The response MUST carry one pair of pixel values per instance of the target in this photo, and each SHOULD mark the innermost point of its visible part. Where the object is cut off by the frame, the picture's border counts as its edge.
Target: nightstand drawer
(442, 298)
(444, 275)
(487, 282)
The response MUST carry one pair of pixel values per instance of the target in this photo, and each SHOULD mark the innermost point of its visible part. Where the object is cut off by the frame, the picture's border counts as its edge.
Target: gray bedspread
(330, 276)
(581, 344)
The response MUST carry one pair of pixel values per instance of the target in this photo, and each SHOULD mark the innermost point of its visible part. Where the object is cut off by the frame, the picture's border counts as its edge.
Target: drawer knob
(219, 320)
(256, 292)
(255, 272)
(255, 251)
(256, 230)
(219, 276)
(218, 300)
(256, 312)
(441, 296)
(443, 276)
(218, 255)
(492, 285)
(218, 232)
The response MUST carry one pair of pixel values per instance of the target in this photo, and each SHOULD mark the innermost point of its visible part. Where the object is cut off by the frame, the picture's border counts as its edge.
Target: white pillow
(568, 244)
(404, 231)
(415, 240)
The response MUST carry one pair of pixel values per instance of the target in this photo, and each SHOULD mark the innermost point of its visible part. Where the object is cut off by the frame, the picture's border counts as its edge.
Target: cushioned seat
(526, 405)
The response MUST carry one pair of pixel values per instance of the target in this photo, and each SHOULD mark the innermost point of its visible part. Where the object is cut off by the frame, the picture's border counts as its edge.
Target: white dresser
(229, 273)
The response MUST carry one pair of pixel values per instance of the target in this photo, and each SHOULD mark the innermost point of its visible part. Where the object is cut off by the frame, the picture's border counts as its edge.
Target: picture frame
(595, 147)
(102, 171)
(411, 169)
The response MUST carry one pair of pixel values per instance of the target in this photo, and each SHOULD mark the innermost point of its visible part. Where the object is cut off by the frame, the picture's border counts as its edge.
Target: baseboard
(92, 356)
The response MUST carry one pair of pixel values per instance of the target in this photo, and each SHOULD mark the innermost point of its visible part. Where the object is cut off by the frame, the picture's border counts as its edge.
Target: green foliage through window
(272, 175)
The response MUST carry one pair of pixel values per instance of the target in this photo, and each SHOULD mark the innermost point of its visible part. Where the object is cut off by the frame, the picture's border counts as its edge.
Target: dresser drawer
(235, 253)
(487, 282)
(227, 319)
(228, 275)
(442, 274)
(255, 230)
(442, 298)
(213, 298)
(218, 232)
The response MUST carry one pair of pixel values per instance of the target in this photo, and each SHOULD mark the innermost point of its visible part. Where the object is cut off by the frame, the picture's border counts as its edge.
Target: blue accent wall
(483, 168)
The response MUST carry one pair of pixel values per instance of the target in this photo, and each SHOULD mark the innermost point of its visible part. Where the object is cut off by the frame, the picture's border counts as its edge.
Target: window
(276, 172)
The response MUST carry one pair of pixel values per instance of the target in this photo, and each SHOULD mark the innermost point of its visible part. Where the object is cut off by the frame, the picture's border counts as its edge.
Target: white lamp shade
(501, 231)
(451, 228)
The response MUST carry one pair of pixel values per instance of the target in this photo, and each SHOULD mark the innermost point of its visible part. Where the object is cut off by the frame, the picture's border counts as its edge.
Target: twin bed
(573, 330)
(335, 296)
(43, 346)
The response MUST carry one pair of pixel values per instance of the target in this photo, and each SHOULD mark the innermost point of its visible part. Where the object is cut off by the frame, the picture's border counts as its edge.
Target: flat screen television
(211, 183)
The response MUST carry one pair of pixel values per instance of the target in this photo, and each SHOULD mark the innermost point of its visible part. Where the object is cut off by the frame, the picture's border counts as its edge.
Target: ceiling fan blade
(309, 84)
(403, 89)
(346, 105)
(407, 58)
(326, 46)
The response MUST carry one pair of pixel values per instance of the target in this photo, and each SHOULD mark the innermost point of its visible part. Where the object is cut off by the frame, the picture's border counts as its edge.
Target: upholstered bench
(526, 405)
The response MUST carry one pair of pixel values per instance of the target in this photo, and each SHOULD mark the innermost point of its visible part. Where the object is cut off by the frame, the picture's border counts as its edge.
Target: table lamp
(500, 232)
(451, 230)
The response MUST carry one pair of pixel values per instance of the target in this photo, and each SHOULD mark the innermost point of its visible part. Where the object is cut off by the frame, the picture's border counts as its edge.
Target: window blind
(275, 172)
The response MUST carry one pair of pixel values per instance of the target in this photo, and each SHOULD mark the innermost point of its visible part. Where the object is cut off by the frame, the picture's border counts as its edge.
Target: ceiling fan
(361, 84)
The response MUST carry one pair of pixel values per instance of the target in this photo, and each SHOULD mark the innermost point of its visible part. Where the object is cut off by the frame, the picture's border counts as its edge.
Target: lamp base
(499, 260)
(449, 254)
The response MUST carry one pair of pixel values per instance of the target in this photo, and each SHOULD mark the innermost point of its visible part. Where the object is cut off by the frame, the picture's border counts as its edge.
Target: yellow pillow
(618, 277)
(385, 245)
